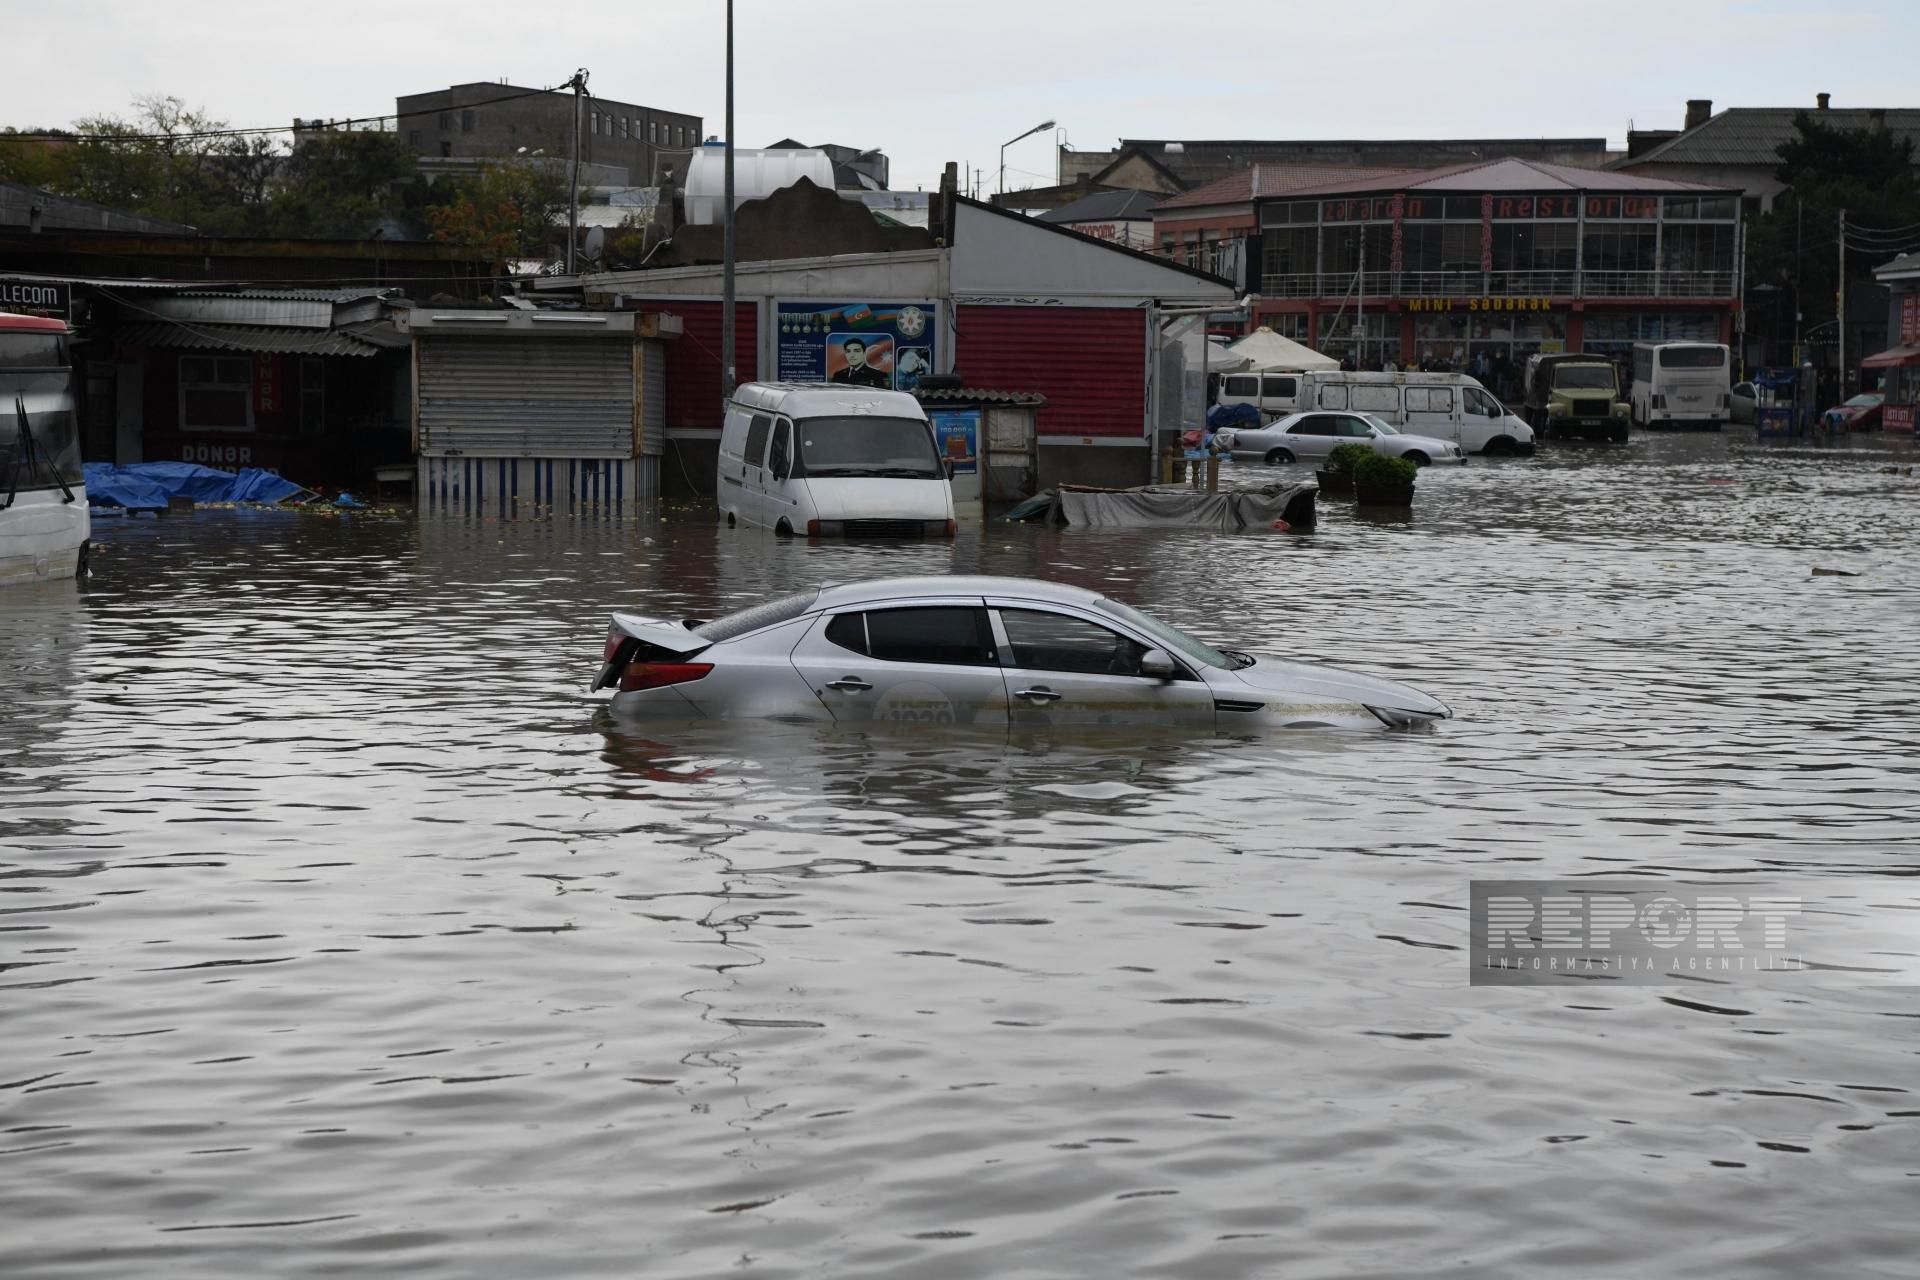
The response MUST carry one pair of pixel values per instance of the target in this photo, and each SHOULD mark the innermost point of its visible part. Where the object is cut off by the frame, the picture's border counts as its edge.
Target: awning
(1891, 358)
(247, 337)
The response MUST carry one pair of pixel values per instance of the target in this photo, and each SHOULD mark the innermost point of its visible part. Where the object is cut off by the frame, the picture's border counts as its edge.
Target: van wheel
(1416, 457)
(80, 569)
(730, 520)
(1499, 447)
(1279, 457)
(783, 530)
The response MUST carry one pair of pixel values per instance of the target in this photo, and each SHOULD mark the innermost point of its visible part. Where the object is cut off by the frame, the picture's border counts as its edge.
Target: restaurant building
(1503, 257)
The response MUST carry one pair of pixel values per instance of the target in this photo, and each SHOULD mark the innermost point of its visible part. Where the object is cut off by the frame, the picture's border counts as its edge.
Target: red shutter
(693, 358)
(1089, 362)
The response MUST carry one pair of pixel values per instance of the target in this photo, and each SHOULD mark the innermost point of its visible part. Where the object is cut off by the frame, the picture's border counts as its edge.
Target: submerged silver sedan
(987, 653)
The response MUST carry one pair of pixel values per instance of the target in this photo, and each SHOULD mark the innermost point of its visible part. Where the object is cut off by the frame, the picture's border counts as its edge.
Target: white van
(1274, 394)
(1682, 384)
(1446, 406)
(832, 461)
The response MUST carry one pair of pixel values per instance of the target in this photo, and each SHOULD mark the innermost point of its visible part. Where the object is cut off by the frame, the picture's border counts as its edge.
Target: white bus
(44, 521)
(1681, 384)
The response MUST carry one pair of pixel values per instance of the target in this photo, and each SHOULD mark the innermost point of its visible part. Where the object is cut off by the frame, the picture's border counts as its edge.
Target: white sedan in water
(1312, 436)
(988, 653)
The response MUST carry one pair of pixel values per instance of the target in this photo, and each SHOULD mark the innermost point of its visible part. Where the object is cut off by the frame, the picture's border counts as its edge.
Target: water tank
(756, 173)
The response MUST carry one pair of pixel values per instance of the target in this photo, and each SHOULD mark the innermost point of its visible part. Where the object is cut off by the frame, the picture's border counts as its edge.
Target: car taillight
(614, 637)
(952, 526)
(658, 675)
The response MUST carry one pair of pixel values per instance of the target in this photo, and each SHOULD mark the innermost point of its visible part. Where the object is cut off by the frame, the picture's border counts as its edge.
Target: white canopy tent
(1264, 350)
(1219, 357)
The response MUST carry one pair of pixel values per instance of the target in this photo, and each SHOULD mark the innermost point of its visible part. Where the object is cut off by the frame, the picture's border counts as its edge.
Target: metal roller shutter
(532, 397)
(653, 398)
(1090, 363)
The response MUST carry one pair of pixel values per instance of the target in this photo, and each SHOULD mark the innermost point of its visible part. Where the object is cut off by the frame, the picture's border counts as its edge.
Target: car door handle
(849, 684)
(1040, 694)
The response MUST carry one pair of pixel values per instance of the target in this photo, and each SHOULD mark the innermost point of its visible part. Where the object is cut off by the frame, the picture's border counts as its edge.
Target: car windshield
(1583, 377)
(1866, 401)
(1172, 637)
(1381, 425)
(857, 445)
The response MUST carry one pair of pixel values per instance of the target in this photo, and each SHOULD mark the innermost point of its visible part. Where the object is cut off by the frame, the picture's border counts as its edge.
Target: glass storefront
(1380, 346)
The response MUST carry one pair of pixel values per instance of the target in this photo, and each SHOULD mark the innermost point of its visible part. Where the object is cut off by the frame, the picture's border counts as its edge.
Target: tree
(343, 184)
(1869, 173)
(506, 210)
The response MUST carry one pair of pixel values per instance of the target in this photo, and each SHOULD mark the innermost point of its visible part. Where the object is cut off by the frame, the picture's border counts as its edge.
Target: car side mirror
(1157, 663)
(1493, 412)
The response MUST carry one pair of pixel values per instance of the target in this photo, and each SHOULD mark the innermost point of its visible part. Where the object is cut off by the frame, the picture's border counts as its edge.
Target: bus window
(1692, 357)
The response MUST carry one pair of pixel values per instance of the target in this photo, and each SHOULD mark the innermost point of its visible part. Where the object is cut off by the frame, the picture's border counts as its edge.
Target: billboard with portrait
(864, 344)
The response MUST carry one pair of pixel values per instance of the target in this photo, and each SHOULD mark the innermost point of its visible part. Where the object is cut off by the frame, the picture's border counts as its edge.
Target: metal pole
(1840, 310)
(1360, 307)
(727, 245)
(1003, 169)
(573, 179)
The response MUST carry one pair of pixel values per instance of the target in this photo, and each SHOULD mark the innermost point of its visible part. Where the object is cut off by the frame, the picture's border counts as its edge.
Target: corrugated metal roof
(978, 395)
(1497, 175)
(246, 337)
(1106, 206)
(352, 293)
(1905, 264)
(1754, 135)
(1260, 180)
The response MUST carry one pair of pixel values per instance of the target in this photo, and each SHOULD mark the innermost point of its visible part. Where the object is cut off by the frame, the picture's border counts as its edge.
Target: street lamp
(1045, 124)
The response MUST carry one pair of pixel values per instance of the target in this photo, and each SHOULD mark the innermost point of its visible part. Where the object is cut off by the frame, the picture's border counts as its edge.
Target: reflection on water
(343, 931)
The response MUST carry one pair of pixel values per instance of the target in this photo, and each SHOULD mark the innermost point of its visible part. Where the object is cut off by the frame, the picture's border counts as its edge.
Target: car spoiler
(646, 638)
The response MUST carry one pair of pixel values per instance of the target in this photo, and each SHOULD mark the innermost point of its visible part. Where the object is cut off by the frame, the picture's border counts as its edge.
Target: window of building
(653, 131)
(1057, 642)
(950, 636)
(446, 121)
(413, 137)
(216, 393)
(593, 125)
(466, 122)
(446, 149)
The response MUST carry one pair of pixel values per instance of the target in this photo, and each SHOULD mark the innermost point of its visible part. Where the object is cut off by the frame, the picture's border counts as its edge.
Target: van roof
(819, 399)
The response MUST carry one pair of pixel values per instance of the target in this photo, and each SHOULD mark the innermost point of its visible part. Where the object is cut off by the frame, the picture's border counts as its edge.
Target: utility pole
(727, 246)
(573, 178)
(1840, 310)
(1360, 307)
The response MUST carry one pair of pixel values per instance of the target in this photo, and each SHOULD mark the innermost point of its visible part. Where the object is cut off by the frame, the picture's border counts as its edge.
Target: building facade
(487, 120)
(1504, 259)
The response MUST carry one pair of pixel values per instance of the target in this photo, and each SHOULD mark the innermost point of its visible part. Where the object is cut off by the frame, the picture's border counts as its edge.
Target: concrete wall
(1752, 180)
(997, 253)
(543, 122)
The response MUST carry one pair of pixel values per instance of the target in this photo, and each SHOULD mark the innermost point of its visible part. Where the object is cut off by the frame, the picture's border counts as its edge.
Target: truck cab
(1576, 397)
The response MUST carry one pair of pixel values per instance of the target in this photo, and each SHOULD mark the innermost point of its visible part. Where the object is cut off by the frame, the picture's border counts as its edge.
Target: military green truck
(1575, 397)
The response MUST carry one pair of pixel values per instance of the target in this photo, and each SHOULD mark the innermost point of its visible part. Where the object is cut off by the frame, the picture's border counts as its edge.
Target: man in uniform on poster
(858, 373)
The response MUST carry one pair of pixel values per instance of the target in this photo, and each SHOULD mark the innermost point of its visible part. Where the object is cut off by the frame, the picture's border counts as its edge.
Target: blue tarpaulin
(146, 486)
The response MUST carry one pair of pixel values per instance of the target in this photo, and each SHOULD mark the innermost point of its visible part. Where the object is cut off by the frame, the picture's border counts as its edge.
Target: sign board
(1909, 318)
(1897, 417)
(888, 345)
(1479, 304)
(269, 380)
(36, 297)
(957, 432)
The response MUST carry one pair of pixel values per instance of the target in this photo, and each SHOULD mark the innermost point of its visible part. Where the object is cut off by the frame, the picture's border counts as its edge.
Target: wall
(542, 122)
(996, 253)
(1089, 362)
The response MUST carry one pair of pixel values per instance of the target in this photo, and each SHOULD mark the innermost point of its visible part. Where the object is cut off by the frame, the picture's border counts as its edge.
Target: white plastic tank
(757, 172)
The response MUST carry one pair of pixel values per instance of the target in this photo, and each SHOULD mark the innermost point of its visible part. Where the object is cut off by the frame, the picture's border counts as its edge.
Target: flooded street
(342, 932)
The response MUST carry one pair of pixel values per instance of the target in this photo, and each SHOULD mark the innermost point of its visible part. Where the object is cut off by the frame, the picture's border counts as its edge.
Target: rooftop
(1105, 206)
(1264, 181)
(1754, 135)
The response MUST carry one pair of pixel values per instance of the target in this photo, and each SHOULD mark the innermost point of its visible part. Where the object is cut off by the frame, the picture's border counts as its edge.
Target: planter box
(1383, 495)
(1335, 482)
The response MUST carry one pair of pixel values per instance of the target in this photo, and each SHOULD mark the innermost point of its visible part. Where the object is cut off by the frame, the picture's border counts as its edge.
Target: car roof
(820, 399)
(841, 595)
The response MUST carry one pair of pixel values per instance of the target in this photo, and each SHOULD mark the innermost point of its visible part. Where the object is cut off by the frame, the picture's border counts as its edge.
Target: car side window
(950, 635)
(849, 631)
(1356, 428)
(1059, 642)
(1311, 427)
(757, 432)
(780, 459)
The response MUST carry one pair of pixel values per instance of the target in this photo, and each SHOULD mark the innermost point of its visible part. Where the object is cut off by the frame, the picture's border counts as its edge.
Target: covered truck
(1575, 397)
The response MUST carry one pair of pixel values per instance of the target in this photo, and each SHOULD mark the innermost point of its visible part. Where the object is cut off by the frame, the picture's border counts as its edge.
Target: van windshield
(1583, 377)
(866, 446)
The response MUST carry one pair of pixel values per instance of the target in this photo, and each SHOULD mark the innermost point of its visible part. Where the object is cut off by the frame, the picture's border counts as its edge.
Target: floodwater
(341, 933)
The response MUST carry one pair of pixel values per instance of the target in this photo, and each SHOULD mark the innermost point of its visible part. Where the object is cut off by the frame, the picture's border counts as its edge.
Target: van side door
(1481, 418)
(753, 470)
(1279, 393)
(1433, 411)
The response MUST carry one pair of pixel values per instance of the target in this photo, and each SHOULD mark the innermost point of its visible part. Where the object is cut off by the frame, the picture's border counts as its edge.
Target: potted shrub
(1337, 475)
(1380, 481)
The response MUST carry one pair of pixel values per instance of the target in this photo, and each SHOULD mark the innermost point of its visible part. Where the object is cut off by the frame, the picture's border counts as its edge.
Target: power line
(188, 135)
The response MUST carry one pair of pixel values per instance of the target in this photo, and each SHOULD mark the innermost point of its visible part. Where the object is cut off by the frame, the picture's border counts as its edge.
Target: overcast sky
(927, 83)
